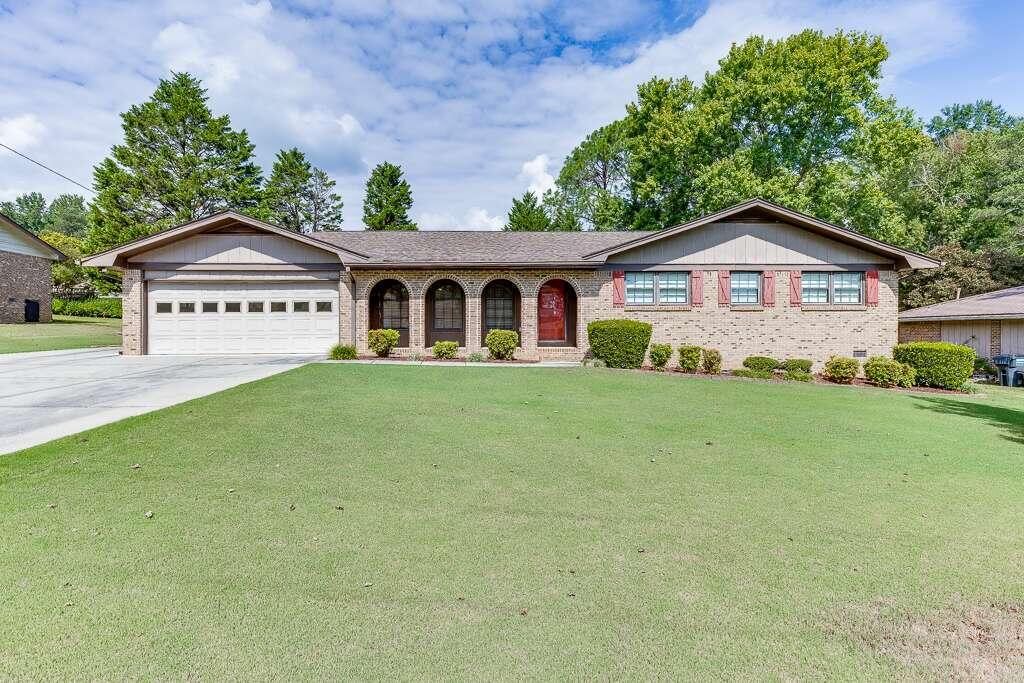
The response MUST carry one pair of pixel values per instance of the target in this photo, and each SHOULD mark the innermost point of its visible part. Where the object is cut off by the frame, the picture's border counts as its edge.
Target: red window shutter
(871, 293)
(795, 288)
(697, 288)
(618, 288)
(723, 288)
(768, 285)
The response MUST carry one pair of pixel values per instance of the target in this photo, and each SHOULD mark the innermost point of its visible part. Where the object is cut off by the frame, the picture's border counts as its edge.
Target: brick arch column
(471, 314)
(362, 292)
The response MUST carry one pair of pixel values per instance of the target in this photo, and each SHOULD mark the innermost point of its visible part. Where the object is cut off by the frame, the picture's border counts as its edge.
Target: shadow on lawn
(1012, 421)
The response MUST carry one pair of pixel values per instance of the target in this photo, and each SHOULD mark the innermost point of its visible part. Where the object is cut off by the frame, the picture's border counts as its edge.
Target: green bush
(689, 358)
(502, 344)
(840, 369)
(660, 354)
(594, 363)
(886, 372)
(88, 308)
(446, 350)
(711, 362)
(619, 343)
(753, 374)
(801, 364)
(382, 341)
(760, 363)
(982, 366)
(476, 357)
(938, 364)
(343, 352)
(797, 375)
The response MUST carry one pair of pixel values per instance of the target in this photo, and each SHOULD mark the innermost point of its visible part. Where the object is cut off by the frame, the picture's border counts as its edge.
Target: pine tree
(178, 163)
(527, 215)
(285, 195)
(323, 205)
(388, 200)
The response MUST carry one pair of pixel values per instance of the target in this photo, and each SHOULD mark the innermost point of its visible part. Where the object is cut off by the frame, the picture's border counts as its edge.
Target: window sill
(655, 307)
(834, 307)
(746, 307)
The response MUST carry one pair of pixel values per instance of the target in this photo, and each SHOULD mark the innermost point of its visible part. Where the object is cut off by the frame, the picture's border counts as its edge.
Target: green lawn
(365, 522)
(65, 332)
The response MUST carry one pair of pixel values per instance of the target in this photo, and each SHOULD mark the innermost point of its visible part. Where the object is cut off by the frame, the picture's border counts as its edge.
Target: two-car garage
(252, 317)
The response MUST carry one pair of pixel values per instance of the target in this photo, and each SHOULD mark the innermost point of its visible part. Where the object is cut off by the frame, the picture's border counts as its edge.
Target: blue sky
(477, 101)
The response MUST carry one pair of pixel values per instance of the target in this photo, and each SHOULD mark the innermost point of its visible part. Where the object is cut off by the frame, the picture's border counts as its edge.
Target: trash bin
(1011, 370)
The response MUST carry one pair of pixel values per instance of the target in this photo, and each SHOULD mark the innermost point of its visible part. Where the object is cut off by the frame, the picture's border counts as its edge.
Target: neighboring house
(25, 281)
(753, 279)
(992, 324)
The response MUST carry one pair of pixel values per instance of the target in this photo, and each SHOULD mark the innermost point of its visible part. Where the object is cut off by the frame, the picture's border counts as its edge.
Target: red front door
(551, 312)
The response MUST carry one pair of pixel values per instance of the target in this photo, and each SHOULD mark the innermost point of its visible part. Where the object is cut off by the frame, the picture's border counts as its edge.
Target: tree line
(801, 122)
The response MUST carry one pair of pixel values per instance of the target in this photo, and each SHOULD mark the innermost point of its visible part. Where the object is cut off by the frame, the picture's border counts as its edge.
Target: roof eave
(58, 255)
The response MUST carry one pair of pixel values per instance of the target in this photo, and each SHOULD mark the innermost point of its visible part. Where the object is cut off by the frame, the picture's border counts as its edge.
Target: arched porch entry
(502, 308)
(389, 308)
(556, 314)
(446, 313)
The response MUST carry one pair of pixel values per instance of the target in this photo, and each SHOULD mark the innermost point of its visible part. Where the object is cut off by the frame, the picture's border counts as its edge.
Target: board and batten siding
(231, 248)
(1011, 337)
(976, 334)
(12, 240)
(753, 243)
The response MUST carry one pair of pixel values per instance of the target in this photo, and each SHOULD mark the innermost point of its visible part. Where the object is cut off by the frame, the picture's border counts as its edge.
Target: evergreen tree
(67, 214)
(178, 163)
(28, 211)
(323, 205)
(285, 195)
(527, 215)
(388, 200)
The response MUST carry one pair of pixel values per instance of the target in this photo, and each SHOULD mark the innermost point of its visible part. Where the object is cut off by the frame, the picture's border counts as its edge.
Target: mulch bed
(431, 359)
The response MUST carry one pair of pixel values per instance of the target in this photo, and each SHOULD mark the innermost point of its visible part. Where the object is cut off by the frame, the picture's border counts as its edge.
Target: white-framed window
(232, 306)
(300, 307)
(324, 306)
(814, 288)
(278, 306)
(209, 307)
(639, 289)
(744, 288)
(186, 307)
(163, 307)
(255, 307)
(649, 287)
(832, 288)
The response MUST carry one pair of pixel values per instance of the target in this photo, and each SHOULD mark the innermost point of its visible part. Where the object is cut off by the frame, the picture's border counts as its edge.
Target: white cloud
(458, 93)
(21, 132)
(535, 173)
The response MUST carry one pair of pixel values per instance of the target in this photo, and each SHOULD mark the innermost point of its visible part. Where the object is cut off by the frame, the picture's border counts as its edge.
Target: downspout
(352, 313)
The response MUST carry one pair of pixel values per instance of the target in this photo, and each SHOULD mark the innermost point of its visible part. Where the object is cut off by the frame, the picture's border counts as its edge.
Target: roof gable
(18, 240)
(759, 208)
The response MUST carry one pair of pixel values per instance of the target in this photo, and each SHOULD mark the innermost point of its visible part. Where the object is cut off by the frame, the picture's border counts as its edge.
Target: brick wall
(995, 339)
(133, 313)
(781, 331)
(920, 331)
(24, 277)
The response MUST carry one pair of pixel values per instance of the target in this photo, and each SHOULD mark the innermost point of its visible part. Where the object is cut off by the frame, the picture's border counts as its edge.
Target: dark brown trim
(669, 267)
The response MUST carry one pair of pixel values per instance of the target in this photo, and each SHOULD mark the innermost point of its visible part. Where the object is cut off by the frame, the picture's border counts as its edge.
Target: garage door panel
(223, 332)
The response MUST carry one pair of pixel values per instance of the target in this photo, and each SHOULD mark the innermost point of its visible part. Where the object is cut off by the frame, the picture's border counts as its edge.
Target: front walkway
(50, 394)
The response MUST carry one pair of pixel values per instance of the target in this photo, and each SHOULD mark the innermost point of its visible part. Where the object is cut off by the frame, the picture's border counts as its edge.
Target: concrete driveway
(51, 394)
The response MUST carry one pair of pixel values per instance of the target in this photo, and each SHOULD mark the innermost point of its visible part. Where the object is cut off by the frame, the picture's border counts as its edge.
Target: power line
(42, 165)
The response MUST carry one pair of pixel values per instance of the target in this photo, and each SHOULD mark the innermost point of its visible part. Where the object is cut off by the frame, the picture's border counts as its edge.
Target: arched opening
(502, 308)
(389, 308)
(556, 314)
(446, 313)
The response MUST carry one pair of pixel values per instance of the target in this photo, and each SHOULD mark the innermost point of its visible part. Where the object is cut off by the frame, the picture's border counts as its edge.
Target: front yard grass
(65, 332)
(366, 522)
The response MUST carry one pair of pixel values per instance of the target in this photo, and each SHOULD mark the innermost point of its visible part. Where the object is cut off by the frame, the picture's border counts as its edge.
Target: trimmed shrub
(476, 357)
(445, 350)
(797, 375)
(801, 364)
(502, 344)
(342, 352)
(660, 354)
(88, 308)
(382, 341)
(938, 364)
(619, 343)
(886, 372)
(711, 362)
(760, 363)
(753, 374)
(689, 358)
(841, 369)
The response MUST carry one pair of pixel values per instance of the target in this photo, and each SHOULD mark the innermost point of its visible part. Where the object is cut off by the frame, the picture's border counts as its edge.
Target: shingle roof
(1002, 304)
(466, 247)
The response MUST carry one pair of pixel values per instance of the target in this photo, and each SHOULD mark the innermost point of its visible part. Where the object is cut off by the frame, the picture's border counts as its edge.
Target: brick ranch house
(26, 285)
(992, 323)
(756, 278)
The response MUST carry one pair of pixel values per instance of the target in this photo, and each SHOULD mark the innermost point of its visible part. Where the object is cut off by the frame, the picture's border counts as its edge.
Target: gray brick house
(25, 281)
(756, 278)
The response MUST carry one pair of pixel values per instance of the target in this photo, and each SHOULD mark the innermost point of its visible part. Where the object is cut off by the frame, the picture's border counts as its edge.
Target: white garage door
(222, 318)
(973, 334)
(1011, 337)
